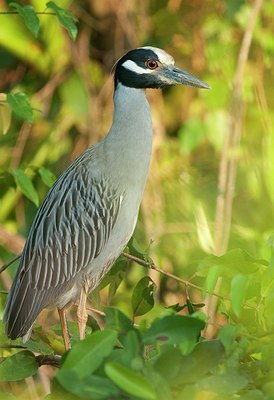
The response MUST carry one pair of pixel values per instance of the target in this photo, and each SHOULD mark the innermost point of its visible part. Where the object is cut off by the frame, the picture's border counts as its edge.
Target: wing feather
(70, 229)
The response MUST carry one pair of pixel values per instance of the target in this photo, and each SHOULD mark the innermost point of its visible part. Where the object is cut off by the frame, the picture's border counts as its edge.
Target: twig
(20, 144)
(36, 12)
(5, 266)
(170, 275)
(12, 346)
(153, 266)
(183, 281)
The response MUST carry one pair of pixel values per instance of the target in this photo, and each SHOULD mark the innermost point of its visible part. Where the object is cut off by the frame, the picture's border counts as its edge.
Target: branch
(36, 12)
(169, 275)
(228, 162)
(12, 346)
(52, 359)
(5, 266)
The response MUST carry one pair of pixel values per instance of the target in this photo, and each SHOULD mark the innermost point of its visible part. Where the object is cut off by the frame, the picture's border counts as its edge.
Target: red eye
(151, 64)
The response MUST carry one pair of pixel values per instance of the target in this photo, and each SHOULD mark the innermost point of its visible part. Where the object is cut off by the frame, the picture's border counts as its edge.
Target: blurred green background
(196, 133)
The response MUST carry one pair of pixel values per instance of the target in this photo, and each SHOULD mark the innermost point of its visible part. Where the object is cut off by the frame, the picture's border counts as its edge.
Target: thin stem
(36, 12)
(168, 274)
(5, 266)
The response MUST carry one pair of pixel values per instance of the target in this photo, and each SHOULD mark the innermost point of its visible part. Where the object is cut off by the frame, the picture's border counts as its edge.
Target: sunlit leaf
(234, 260)
(20, 104)
(130, 381)
(228, 335)
(86, 355)
(237, 292)
(65, 18)
(24, 183)
(18, 367)
(203, 229)
(5, 114)
(142, 299)
(223, 384)
(30, 18)
(47, 176)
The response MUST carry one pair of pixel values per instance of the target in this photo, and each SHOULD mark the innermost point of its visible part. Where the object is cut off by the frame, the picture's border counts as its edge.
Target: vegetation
(187, 310)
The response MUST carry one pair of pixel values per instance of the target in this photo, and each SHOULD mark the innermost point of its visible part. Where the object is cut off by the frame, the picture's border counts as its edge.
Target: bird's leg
(82, 315)
(64, 326)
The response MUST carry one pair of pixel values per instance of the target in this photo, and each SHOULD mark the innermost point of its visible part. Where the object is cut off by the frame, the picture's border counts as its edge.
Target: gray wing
(70, 229)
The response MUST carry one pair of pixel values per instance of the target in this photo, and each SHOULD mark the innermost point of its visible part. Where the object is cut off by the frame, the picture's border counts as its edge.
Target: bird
(90, 213)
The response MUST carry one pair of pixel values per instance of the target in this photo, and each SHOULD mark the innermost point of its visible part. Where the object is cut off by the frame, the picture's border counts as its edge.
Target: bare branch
(4, 267)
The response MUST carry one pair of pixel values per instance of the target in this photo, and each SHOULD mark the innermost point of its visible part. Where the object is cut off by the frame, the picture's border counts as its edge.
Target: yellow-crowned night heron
(90, 213)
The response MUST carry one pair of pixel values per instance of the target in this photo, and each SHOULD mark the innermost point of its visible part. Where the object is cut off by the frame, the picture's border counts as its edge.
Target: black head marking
(132, 79)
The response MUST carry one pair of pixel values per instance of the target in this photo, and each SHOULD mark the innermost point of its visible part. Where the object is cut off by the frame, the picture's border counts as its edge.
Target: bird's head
(150, 67)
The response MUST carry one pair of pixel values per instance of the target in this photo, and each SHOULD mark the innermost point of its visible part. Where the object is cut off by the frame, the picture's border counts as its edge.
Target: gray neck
(130, 137)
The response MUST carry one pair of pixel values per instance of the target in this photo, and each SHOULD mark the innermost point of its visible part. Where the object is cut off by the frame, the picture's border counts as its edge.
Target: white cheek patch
(132, 66)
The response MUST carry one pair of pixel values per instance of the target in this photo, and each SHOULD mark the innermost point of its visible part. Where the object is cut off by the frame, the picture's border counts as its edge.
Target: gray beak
(172, 75)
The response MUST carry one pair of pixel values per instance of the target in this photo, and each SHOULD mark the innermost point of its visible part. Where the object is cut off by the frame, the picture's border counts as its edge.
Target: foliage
(159, 340)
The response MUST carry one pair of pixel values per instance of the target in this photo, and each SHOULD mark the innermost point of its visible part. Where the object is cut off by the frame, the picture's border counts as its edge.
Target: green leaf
(39, 347)
(190, 307)
(47, 176)
(130, 381)
(30, 18)
(211, 278)
(136, 249)
(235, 260)
(66, 19)
(174, 329)
(175, 367)
(223, 384)
(20, 105)
(238, 289)
(130, 355)
(24, 183)
(228, 335)
(7, 396)
(117, 269)
(114, 285)
(117, 320)
(87, 355)
(5, 114)
(91, 387)
(176, 307)
(254, 395)
(142, 299)
(18, 367)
